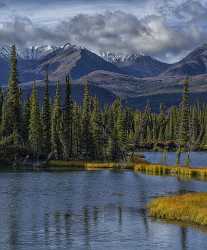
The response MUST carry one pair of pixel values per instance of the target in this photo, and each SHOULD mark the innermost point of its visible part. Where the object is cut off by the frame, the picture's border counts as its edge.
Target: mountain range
(136, 78)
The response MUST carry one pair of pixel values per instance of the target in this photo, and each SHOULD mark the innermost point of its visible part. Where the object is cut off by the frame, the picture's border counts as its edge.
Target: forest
(64, 130)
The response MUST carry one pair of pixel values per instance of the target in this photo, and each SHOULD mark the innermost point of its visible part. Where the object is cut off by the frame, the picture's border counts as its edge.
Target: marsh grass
(189, 208)
(90, 165)
(186, 173)
(180, 171)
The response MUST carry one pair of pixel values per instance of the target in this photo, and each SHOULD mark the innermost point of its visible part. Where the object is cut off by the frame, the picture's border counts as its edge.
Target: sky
(165, 29)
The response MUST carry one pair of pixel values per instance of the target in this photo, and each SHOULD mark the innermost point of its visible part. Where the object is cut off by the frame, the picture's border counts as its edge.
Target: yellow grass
(90, 165)
(190, 208)
(180, 171)
(147, 168)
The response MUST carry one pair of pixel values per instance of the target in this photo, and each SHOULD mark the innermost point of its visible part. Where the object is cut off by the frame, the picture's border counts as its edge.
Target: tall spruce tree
(162, 124)
(57, 125)
(68, 121)
(121, 133)
(183, 139)
(97, 130)
(77, 131)
(86, 137)
(195, 126)
(12, 110)
(46, 118)
(113, 147)
(26, 119)
(35, 126)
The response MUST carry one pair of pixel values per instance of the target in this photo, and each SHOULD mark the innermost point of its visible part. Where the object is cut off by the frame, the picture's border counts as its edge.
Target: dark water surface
(197, 159)
(90, 210)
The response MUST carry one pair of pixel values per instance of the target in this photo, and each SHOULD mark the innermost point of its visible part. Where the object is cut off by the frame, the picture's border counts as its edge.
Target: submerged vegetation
(190, 208)
(60, 129)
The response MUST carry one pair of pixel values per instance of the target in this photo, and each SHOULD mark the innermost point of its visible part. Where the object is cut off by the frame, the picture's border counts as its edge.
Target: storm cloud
(168, 33)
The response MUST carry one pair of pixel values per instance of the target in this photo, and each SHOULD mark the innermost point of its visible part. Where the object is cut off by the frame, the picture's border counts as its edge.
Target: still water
(90, 210)
(197, 159)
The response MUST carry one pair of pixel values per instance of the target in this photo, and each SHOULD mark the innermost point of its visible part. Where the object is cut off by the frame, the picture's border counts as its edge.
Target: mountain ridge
(82, 64)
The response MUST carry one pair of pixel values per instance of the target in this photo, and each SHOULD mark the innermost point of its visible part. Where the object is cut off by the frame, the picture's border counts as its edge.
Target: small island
(189, 208)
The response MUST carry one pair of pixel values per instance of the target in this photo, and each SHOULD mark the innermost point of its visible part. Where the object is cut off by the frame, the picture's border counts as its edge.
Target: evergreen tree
(26, 119)
(46, 119)
(12, 117)
(121, 132)
(77, 132)
(184, 121)
(113, 149)
(68, 121)
(162, 124)
(195, 126)
(57, 125)
(97, 130)
(35, 126)
(86, 137)
(144, 123)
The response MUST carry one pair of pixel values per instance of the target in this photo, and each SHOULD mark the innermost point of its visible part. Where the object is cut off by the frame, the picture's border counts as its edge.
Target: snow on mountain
(120, 57)
(136, 64)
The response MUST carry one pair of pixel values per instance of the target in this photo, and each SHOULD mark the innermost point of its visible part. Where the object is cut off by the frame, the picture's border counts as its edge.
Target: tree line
(66, 130)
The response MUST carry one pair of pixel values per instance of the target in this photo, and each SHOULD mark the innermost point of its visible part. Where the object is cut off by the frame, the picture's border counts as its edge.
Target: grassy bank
(142, 166)
(189, 208)
(89, 165)
(147, 168)
(180, 171)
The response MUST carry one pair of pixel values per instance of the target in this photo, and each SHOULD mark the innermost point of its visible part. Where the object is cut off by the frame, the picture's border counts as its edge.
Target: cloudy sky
(166, 29)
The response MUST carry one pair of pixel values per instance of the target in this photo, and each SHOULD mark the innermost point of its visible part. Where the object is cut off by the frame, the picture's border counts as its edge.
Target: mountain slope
(65, 60)
(4, 71)
(193, 64)
(137, 65)
(102, 94)
(112, 79)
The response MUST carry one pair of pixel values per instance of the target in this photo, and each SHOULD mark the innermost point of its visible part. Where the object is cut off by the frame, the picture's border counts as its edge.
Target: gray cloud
(22, 32)
(190, 9)
(119, 31)
(2, 5)
(122, 32)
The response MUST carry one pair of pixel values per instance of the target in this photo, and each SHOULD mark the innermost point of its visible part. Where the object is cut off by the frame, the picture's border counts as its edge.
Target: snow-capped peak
(30, 53)
(33, 52)
(120, 57)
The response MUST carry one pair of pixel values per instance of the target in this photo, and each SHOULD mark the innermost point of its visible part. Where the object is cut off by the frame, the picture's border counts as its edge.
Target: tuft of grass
(189, 208)
(184, 172)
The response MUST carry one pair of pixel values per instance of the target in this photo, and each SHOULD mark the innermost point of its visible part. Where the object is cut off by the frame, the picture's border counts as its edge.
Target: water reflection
(183, 238)
(197, 159)
(53, 211)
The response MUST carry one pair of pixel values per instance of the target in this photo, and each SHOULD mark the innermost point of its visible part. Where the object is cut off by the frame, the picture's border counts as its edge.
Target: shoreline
(140, 167)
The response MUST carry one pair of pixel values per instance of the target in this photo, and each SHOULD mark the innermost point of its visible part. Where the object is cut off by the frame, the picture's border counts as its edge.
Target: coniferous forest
(62, 129)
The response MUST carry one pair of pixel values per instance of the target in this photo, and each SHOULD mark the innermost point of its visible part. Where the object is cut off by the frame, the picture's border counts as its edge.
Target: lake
(96, 210)
(197, 159)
